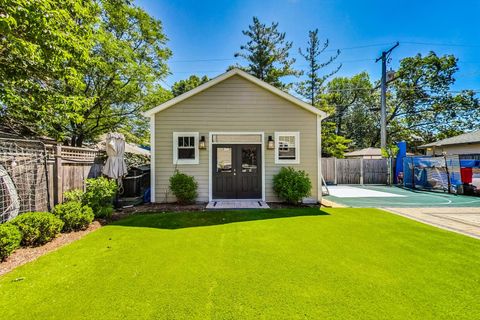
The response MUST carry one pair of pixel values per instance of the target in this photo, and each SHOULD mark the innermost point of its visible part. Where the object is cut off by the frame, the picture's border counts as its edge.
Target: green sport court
(377, 196)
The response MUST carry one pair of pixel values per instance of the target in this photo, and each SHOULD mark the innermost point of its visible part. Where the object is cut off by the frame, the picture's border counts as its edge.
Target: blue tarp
(469, 163)
(431, 172)
(402, 153)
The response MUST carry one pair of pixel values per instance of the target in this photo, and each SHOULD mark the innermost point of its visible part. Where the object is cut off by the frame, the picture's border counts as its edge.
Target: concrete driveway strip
(461, 220)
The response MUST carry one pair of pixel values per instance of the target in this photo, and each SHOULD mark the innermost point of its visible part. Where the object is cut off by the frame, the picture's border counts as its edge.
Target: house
(464, 144)
(367, 153)
(233, 134)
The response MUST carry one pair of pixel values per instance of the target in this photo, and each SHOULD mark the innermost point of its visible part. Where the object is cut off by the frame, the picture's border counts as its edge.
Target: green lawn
(275, 264)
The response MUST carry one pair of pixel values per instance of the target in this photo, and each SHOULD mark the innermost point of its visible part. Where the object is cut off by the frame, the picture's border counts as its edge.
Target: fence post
(361, 170)
(58, 176)
(448, 174)
(335, 171)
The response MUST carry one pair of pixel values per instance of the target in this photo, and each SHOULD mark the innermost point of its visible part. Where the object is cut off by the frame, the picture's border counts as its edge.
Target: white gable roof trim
(225, 76)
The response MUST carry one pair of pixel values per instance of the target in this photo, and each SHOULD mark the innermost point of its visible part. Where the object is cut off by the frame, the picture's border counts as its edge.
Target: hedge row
(76, 213)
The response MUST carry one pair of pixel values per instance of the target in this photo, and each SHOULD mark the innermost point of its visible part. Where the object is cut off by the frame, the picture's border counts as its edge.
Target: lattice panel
(23, 178)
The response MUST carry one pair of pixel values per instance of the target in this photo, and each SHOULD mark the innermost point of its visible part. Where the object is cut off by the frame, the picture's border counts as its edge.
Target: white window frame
(295, 134)
(177, 135)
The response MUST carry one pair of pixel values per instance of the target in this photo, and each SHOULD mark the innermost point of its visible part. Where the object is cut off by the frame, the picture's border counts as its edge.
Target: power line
(328, 50)
(301, 65)
(398, 89)
(203, 60)
(441, 44)
(166, 83)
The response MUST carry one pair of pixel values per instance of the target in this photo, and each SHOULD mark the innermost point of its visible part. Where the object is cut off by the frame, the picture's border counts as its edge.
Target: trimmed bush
(10, 239)
(99, 196)
(184, 187)
(73, 195)
(37, 228)
(292, 185)
(74, 215)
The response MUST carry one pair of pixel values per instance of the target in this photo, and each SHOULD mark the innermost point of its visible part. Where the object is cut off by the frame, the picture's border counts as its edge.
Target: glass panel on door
(224, 159)
(249, 159)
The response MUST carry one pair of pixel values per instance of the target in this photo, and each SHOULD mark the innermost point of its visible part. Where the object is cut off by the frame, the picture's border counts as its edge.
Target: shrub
(74, 215)
(99, 196)
(37, 227)
(73, 195)
(10, 239)
(292, 185)
(184, 187)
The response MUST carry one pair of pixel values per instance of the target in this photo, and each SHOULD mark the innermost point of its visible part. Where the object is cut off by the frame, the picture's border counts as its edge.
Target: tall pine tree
(267, 53)
(312, 87)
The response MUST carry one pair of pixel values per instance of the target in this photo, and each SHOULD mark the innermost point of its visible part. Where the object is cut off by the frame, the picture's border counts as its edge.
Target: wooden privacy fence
(355, 171)
(34, 176)
(69, 167)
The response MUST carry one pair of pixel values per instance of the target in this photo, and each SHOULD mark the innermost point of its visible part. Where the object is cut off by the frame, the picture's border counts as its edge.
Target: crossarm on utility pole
(383, 101)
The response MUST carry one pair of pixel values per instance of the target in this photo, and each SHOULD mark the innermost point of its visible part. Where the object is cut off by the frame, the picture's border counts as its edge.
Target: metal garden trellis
(24, 184)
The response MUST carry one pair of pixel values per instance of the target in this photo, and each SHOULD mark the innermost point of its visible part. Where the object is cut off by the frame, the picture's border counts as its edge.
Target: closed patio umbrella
(115, 167)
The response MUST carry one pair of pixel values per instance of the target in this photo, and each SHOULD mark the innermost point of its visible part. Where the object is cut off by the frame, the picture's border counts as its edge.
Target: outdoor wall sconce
(271, 144)
(202, 144)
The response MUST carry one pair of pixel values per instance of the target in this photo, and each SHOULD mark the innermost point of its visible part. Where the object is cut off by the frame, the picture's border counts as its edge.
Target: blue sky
(204, 35)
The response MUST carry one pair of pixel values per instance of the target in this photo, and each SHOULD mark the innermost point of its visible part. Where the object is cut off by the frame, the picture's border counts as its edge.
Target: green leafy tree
(343, 93)
(421, 102)
(122, 78)
(183, 86)
(312, 87)
(351, 118)
(42, 45)
(333, 145)
(99, 76)
(267, 53)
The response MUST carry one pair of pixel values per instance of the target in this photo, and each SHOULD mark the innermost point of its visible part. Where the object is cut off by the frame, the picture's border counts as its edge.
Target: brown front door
(237, 171)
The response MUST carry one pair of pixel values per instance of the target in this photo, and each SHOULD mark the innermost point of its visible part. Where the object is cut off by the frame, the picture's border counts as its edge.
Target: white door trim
(211, 143)
(319, 160)
(152, 158)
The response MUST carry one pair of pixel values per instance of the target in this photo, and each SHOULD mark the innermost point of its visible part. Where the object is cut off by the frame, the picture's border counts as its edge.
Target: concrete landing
(237, 204)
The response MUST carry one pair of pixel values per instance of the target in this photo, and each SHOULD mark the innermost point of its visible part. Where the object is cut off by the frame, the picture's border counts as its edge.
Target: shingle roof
(470, 137)
(364, 152)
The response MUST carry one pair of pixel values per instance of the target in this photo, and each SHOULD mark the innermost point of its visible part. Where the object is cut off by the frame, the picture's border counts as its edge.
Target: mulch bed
(24, 255)
(282, 205)
(157, 207)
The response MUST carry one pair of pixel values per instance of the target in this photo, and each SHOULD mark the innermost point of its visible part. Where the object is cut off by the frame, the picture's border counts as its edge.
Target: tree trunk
(79, 141)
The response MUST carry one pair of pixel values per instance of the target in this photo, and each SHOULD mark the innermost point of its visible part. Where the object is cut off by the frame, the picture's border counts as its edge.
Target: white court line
(354, 192)
(369, 198)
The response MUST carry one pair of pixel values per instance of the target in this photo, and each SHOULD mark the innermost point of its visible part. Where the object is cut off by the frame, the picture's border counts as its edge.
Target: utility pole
(383, 101)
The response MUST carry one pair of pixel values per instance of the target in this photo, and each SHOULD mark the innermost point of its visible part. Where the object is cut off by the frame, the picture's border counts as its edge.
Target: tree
(183, 86)
(333, 145)
(267, 53)
(421, 101)
(420, 104)
(350, 104)
(343, 93)
(101, 86)
(42, 43)
(313, 86)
